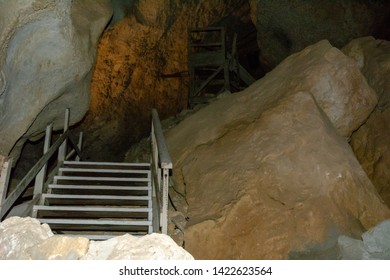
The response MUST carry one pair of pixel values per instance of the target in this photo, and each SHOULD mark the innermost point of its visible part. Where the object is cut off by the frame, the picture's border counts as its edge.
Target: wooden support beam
(209, 79)
(40, 178)
(4, 180)
(62, 149)
(80, 146)
(23, 184)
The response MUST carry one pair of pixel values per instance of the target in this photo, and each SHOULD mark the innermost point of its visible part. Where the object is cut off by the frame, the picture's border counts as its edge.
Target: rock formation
(47, 52)
(266, 172)
(142, 63)
(371, 143)
(26, 238)
(285, 27)
(373, 245)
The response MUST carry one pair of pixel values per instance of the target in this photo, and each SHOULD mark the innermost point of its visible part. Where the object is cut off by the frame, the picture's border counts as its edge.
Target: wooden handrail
(164, 157)
(161, 165)
(24, 183)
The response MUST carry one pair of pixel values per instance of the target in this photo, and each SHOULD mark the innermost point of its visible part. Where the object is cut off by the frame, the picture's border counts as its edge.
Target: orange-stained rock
(133, 57)
(371, 143)
(266, 172)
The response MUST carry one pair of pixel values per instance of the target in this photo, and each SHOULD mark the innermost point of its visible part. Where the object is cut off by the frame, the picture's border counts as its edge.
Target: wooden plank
(97, 237)
(96, 197)
(208, 80)
(93, 209)
(206, 29)
(96, 224)
(70, 199)
(4, 179)
(105, 163)
(80, 145)
(89, 170)
(23, 184)
(75, 147)
(106, 229)
(203, 59)
(214, 44)
(100, 179)
(62, 148)
(91, 212)
(99, 190)
(245, 76)
(100, 187)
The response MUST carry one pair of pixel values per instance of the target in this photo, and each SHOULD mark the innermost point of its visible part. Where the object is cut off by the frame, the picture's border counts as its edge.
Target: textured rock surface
(47, 51)
(285, 27)
(133, 57)
(26, 238)
(18, 234)
(264, 171)
(59, 248)
(377, 240)
(149, 247)
(375, 244)
(371, 143)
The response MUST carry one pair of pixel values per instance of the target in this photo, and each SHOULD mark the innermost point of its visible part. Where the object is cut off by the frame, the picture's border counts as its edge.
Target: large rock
(374, 244)
(285, 27)
(47, 52)
(58, 248)
(141, 64)
(266, 171)
(371, 142)
(127, 247)
(26, 238)
(18, 234)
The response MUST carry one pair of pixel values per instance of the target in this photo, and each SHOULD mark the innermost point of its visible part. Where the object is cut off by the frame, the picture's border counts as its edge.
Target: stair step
(97, 237)
(74, 180)
(96, 224)
(44, 211)
(99, 190)
(107, 165)
(68, 171)
(70, 199)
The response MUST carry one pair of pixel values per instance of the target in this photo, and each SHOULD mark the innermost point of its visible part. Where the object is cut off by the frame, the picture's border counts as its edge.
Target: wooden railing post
(40, 178)
(62, 149)
(164, 210)
(80, 145)
(4, 180)
(161, 165)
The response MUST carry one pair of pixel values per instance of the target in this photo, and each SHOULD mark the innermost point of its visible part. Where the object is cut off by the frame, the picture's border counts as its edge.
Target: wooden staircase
(98, 200)
(212, 67)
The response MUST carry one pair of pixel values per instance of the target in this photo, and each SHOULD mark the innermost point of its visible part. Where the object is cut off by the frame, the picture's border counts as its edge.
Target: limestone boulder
(267, 172)
(127, 247)
(285, 27)
(28, 239)
(371, 142)
(19, 234)
(58, 248)
(47, 52)
(373, 244)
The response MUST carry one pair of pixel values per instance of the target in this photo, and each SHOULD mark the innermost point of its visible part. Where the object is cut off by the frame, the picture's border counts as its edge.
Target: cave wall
(47, 52)
(134, 55)
(287, 26)
(371, 142)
